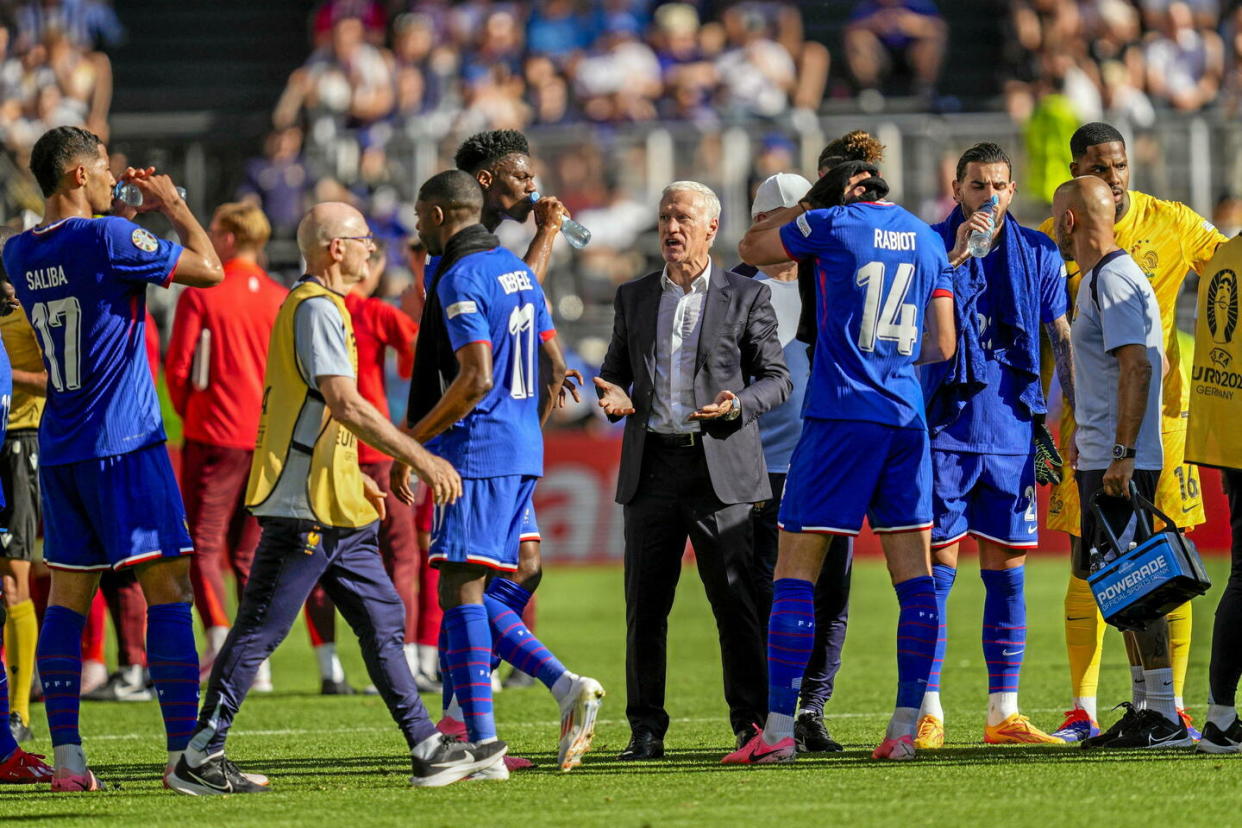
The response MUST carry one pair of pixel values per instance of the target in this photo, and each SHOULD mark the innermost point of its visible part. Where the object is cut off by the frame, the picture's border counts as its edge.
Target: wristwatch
(1121, 452)
(735, 410)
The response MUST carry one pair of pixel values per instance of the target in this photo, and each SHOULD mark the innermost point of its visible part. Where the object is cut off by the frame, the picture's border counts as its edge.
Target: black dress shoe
(812, 734)
(642, 746)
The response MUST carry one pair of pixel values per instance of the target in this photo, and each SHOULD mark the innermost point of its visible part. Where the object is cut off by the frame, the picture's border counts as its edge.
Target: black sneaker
(1215, 740)
(454, 760)
(812, 734)
(1152, 730)
(1130, 719)
(328, 687)
(216, 776)
(20, 730)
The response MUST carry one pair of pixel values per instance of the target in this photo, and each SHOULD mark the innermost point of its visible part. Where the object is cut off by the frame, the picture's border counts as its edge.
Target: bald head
(324, 223)
(1084, 212)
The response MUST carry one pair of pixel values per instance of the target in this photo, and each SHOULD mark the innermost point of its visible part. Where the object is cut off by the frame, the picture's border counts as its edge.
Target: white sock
(1179, 702)
(215, 638)
(454, 710)
(411, 658)
(263, 676)
(1138, 687)
(903, 723)
(1221, 716)
(330, 668)
(1001, 706)
(561, 687)
(1160, 692)
(193, 757)
(427, 747)
(931, 705)
(174, 756)
(1086, 703)
(778, 726)
(428, 659)
(70, 758)
(133, 674)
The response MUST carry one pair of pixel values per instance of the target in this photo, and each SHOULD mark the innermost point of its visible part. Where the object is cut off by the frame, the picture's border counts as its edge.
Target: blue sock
(514, 596)
(1004, 627)
(918, 626)
(469, 657)
(446, 675)
(944, 576)
(59, 656)
(7, 743)
(518, 645)
(173, 663)
(791, 633)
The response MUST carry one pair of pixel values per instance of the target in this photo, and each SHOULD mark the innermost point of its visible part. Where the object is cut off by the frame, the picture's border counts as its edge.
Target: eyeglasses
(367, 239)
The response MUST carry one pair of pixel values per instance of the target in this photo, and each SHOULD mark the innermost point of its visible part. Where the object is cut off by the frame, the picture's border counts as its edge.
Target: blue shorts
(990, 496)
(844, 470)
(485, 525)
(530, 526)
(112, 512)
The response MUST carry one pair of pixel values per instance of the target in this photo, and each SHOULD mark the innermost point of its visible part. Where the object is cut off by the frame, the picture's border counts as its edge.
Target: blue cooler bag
(1159, 572)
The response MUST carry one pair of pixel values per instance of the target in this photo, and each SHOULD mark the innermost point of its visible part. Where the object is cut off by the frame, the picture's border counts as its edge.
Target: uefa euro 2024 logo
(1222, 314)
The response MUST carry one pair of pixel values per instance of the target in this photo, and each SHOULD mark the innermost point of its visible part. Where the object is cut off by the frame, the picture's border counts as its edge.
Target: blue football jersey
(6, 400)
(995, 421)
(83, 284)
(876, 268)
(493, 297)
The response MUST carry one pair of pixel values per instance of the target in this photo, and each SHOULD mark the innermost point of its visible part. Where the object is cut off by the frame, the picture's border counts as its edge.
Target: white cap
(781, 190)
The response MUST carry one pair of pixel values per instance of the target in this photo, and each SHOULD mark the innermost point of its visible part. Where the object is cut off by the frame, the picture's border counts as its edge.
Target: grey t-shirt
(319, 342)
(1115, 307)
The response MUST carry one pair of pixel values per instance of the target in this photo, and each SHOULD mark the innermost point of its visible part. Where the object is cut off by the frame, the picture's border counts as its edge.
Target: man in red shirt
(214, 370)
(377, 327)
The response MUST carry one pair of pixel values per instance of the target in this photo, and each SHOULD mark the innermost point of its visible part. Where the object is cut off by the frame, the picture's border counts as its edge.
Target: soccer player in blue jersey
(986, 415)
(110, 500)
(884, 302)
(497, 370)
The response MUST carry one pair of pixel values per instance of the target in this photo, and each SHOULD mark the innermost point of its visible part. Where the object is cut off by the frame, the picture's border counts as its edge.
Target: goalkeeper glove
(1047, 458)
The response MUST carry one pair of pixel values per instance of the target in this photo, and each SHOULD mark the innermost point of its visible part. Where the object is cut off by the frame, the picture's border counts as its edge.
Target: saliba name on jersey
(46, 277)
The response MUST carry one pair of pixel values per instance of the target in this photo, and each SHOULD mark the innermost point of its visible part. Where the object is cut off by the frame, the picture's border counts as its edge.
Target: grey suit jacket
(737, 343)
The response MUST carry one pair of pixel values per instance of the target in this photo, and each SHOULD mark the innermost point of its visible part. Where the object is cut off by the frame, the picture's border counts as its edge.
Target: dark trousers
(292, 556)
(832, 597)
(1116, 510)
(1226, 665)
(675, 501)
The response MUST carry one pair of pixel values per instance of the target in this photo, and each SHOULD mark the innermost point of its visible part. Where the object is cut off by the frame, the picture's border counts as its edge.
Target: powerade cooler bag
(1160, 572)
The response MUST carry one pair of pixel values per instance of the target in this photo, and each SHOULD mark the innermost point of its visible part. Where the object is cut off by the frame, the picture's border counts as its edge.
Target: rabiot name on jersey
(895, 239)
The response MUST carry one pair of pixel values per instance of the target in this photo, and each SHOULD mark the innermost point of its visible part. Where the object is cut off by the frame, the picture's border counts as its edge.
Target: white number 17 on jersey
(897, 321)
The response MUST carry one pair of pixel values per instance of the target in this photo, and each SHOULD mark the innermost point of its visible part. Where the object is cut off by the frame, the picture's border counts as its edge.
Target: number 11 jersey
(494, 298)
(82, 282)
(876, 268)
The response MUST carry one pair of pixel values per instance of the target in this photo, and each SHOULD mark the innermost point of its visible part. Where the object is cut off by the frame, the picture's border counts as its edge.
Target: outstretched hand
(614, 401)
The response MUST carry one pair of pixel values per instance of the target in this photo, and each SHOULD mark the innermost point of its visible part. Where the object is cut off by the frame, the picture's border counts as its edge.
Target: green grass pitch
(340, 761)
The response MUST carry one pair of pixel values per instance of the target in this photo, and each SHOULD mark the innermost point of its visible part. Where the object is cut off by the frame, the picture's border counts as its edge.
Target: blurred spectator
(89, 24)
(558, 29)
(1227, 215)
(621, 79)
(896, 39)
(756, 72)
(84, 80)
(1185, 65)
(616, 224)
(499, 43)
(1047, 136)
(279, 181)
(348, 80)
(370, 12)
(1232, 31)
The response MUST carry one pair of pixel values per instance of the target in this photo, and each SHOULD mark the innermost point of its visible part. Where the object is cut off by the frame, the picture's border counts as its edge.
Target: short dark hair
(452, 190)
(1089, 135)
(55, 150)
(483, 149)
(985, 152)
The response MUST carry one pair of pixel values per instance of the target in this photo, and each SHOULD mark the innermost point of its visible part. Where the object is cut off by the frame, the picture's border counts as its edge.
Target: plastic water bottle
(128, 192)
(980, 242)
(574, 233)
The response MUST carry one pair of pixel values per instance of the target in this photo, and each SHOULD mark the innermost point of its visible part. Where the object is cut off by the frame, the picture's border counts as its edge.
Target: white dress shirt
(677, 345)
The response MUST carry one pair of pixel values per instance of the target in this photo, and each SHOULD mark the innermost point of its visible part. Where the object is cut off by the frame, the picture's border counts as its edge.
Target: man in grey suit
(694, 360)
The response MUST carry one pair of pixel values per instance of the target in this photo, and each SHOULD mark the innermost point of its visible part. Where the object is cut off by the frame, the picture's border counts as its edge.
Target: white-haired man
(694, 360)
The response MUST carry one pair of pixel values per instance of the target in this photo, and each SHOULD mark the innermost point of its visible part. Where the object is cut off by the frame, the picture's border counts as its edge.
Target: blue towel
(948, 386)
